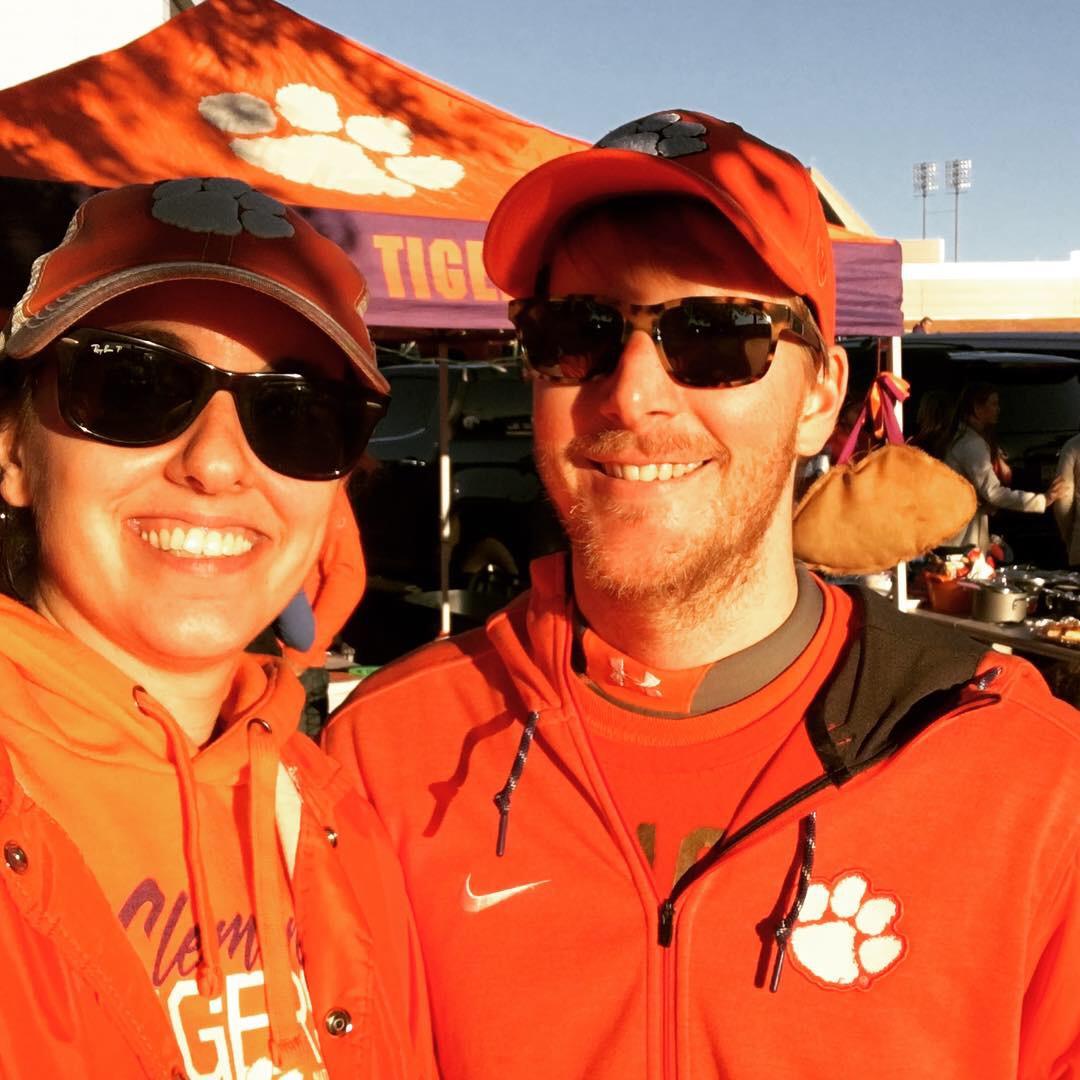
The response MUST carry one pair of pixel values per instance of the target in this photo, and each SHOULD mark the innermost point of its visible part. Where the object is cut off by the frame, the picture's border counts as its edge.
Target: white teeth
(198, 541)
(648, 473)
(193, 542)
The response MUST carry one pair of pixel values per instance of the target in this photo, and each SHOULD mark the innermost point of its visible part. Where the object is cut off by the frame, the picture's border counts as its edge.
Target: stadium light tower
(957, 179)
(924, 180)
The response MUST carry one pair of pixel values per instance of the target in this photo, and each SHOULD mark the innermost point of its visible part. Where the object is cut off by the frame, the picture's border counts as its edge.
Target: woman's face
(177, 554)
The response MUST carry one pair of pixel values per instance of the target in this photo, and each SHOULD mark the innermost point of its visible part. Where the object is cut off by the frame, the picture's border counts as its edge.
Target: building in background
(972, 297)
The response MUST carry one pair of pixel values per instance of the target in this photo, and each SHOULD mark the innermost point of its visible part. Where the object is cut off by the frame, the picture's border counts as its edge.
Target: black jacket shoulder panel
(899, 676)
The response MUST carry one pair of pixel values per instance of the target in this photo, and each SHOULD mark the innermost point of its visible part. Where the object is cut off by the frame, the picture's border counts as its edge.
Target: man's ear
(821, 406)
(14, 487)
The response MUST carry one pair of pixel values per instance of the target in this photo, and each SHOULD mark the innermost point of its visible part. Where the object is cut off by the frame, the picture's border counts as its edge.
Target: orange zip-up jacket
(329, 939)
(935, 835)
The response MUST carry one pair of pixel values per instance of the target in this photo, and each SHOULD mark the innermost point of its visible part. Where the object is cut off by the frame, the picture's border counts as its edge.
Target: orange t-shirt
(680, 783)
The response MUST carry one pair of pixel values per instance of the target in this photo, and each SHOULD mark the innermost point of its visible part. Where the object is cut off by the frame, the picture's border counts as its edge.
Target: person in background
(1065, 506)
(935, 423)
(975, 454)
(685, 809)
(924, 326)
(190, 887)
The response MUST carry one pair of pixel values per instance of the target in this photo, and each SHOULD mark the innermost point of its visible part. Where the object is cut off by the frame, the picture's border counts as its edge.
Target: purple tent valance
(429, 273)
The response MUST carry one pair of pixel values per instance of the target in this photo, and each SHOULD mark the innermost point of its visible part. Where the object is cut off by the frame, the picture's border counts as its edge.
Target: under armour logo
(647, 684)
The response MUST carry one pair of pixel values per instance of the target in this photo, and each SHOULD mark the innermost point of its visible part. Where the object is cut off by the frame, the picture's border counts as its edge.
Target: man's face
(103, 512)
(666, 491)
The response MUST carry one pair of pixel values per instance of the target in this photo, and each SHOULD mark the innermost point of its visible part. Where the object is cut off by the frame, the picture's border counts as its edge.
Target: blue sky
(860, 90)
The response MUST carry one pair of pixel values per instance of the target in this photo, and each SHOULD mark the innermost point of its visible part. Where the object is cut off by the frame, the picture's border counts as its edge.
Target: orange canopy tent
(403, 170)
(250, 89)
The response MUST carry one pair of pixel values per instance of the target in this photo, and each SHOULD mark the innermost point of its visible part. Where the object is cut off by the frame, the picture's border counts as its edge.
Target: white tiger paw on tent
(333, 153)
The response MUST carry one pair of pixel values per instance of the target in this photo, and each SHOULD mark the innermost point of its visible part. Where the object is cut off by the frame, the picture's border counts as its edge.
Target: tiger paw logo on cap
(221, 206)
(663, 134)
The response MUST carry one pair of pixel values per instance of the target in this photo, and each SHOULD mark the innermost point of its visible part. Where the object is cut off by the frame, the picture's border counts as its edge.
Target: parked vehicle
(500, 519)
(1038, 375)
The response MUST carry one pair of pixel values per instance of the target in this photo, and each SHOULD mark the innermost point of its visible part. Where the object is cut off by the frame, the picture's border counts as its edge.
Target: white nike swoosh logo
(471, 901)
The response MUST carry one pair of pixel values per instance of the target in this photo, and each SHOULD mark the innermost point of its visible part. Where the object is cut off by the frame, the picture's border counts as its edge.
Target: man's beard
(717, 560)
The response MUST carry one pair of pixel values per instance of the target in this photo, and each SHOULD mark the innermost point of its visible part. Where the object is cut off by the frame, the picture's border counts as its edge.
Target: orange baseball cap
(212, 229)
(764, 192)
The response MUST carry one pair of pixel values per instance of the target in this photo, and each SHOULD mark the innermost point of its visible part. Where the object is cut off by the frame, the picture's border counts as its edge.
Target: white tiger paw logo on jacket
(844, 937)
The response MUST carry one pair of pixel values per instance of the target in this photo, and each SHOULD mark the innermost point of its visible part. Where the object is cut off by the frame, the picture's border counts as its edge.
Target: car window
(412, 408)
(497, 402)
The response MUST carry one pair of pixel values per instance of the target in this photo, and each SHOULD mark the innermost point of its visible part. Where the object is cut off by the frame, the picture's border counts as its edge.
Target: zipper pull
(666, 928)
(782, 935)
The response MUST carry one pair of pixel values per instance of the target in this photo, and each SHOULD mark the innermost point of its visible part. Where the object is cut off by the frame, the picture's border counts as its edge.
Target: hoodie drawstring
(286, 1035)
(208, 975)
(807, 834)
(503, 796)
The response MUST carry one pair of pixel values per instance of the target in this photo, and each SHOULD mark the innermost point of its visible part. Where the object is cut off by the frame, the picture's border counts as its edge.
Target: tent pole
(444, 491)
(895, 365)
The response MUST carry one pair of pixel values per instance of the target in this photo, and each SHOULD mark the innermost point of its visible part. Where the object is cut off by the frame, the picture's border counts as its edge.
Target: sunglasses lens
(716, 344)
(308, 429)
(570, 340)
(127, 393)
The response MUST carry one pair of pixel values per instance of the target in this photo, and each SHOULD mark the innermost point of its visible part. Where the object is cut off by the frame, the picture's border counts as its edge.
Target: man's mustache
(617, 443)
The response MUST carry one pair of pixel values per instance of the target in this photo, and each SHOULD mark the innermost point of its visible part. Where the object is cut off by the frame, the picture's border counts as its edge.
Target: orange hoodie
(921, 881)
(142, 838)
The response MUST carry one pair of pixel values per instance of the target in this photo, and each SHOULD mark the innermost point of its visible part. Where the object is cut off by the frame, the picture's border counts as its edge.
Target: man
(745, 824)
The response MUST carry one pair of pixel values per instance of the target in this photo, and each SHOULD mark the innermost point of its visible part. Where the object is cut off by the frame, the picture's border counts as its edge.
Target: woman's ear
(14, 488)
(822, 403)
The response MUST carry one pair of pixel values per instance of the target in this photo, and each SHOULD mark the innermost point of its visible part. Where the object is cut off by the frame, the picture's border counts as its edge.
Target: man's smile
(648, 472)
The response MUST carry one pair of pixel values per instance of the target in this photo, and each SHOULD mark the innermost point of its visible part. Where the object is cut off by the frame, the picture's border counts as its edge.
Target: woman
(975, 454)
(190, 887)
(935, 423)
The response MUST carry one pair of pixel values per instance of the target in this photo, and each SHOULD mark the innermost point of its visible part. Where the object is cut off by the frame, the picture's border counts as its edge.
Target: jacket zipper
(666, 922)
(666, 913)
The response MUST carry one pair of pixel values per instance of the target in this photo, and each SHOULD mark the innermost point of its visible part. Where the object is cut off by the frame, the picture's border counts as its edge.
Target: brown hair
(18, 537)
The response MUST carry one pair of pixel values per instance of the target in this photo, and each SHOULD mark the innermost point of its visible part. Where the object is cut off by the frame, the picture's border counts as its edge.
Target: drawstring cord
(807, 834)
(208, 972)
(286, 1035)
(503, 796)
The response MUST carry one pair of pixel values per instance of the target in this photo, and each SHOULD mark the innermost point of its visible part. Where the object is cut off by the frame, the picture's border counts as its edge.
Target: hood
(99, 715)
(899, 675)
(335, 583)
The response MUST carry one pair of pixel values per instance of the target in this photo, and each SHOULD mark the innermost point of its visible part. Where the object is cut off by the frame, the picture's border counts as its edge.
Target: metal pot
(1061, 600)
(999, 603)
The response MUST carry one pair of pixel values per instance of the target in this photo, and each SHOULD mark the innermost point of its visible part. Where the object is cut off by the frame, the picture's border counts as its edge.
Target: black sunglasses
(129, 392)
(703, 341)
